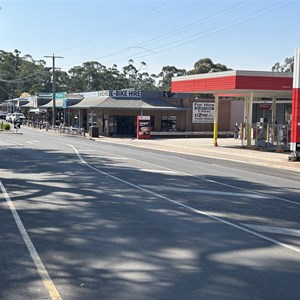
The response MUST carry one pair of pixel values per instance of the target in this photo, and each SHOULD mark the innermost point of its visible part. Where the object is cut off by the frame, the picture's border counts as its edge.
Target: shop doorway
(123, 125)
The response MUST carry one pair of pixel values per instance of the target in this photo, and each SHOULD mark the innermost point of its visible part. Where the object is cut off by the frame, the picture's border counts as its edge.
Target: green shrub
(5, 126)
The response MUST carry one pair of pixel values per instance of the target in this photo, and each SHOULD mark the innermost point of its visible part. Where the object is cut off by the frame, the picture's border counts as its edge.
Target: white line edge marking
(14, 142)
(274, 229)
(205, 179)
(200, 191)
(196, 211)
(216, 182)
(47, 281)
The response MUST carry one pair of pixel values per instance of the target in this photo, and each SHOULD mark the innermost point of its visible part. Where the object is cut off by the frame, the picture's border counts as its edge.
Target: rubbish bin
(94, 131)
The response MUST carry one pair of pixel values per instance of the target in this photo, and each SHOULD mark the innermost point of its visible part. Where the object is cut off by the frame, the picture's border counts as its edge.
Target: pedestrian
(236, 131)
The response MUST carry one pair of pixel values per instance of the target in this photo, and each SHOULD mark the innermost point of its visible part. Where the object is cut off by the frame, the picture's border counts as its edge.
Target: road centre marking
(274, 229)
(196, 211)
(201, 191)
(47, 281)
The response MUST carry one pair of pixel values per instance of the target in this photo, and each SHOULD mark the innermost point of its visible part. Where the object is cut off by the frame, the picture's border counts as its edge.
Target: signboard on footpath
(143, 127)
(203, 112)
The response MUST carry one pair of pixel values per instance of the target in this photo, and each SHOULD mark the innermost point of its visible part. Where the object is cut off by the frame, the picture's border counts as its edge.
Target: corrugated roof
(89, 102)
(29, 104)
(59, 103)
(138, 104)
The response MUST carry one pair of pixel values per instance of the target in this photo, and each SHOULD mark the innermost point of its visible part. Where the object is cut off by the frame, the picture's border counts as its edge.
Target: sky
(243, 35)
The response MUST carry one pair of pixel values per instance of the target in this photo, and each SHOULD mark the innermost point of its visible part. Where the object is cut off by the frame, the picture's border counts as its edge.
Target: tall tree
(206, 65)
(133, 74)
(21, 74)
(166, 74)
(287, 66)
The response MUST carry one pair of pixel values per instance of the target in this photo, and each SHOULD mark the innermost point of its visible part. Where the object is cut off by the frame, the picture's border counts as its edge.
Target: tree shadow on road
(124, 236)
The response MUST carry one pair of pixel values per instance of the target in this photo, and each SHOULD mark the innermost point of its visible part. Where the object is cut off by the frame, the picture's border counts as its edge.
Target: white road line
(200, 191)
(217, 182)
(49, 285)
(16, 143)
(196, 211)
(274, 229)
(195, 176)
(159, 171)
(108, 157)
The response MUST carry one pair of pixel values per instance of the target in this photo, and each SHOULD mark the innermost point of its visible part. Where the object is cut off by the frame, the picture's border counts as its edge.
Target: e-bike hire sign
(125, 93)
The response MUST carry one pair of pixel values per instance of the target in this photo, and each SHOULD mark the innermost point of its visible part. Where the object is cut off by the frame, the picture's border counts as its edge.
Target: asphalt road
(82, 219)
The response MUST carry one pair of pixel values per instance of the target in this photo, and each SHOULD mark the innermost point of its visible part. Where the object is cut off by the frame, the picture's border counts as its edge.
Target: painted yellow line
(48, 283)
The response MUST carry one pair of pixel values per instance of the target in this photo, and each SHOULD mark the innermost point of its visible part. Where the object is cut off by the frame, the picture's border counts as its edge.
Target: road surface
(83, 219)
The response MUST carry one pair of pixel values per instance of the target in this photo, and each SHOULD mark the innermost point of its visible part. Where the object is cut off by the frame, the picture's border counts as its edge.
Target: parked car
(3, 115)
(17, 117)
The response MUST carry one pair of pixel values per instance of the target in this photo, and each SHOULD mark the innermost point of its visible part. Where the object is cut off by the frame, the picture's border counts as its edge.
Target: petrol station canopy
(237, 83)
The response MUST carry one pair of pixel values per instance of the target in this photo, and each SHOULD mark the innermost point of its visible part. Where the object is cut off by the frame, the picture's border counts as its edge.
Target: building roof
(59, 103)
(127, 104)
(237, 83)
(138, 104)
(89, 102)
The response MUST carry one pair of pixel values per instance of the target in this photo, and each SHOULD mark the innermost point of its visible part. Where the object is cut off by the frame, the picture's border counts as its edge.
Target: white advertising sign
(203, 112)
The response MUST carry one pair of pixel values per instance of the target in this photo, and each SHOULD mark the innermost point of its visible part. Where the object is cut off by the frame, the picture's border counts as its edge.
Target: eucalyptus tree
(147, 82)
(165, 76)
(20, 74)
(133, 74)
(206, 65)
(76, 79)
(114, 79)
(287, 66)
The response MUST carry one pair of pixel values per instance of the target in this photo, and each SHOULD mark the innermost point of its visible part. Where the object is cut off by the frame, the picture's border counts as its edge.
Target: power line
(211, 31)
(20, 79)
(123, 25)
(181, 29)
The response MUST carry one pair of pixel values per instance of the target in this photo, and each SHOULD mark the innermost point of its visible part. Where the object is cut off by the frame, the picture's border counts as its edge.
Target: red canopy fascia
(234, 82)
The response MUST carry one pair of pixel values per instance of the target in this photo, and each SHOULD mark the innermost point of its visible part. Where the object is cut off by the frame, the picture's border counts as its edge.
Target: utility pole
(53, 87)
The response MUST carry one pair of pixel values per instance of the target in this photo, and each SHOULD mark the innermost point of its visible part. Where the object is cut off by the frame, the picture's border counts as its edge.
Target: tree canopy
(287, 66)
(19, 74)
(206, 65)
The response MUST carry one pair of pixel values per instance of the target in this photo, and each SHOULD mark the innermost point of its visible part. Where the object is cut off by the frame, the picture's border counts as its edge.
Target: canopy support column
(274, 111)
(274, 115)
(186, 120)
(249, 119)
(216, 119)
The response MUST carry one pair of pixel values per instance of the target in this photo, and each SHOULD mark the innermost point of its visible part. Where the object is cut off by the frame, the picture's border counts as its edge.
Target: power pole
(53, 87)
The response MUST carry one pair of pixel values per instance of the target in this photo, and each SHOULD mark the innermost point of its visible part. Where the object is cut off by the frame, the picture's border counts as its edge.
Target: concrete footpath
(227, 149)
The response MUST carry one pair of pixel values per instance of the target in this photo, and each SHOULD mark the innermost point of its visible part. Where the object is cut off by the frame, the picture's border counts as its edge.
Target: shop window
(168, 123)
